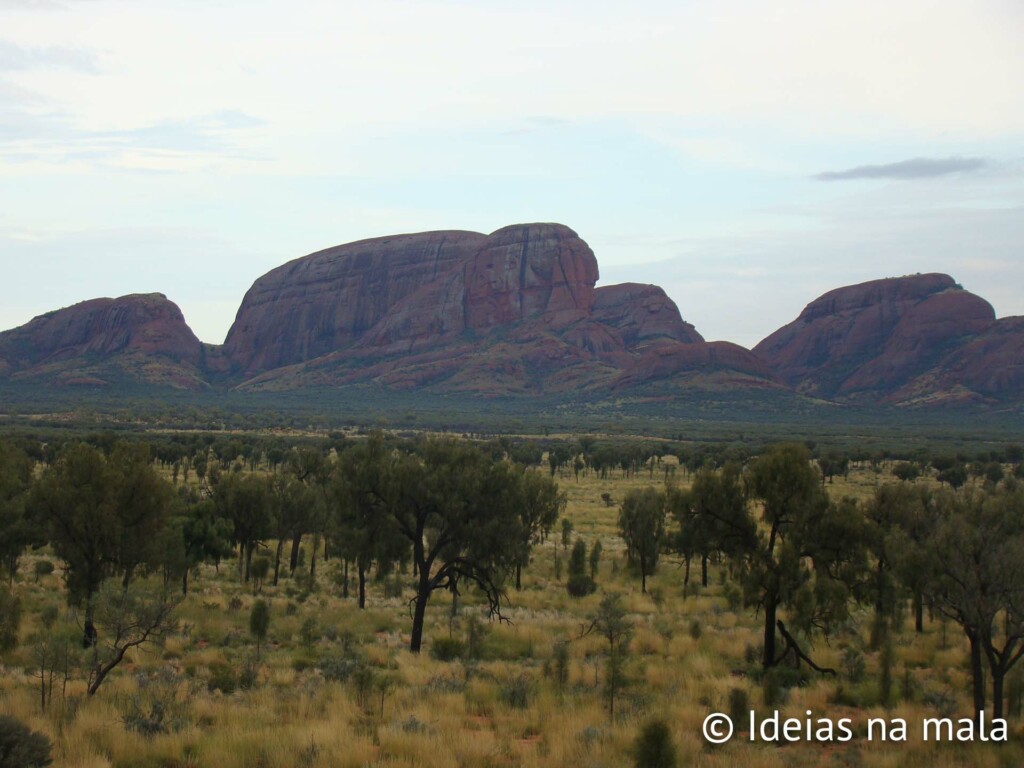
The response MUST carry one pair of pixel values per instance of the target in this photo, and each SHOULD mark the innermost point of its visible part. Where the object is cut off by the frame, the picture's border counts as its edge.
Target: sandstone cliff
(141, 337)
(512, 312)
(901, 339)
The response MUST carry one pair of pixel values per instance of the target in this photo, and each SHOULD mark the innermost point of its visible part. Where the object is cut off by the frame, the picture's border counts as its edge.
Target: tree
(611, 623)
(595, 559)
(833, 463)
(259, 623)
(143, 504)
(456, 509)
(203, 536)
(10, 619)
(896, 522)
(104, 515)
(566, 533)
(127, 618)
(579, 583)
(712, 517)
(359, 524)
(245, 500)
(17, 530)
(642, 526)
(955, 475)
(292, 501)
(978, 581)
(73, 501)
(807, 554)
(539, 507)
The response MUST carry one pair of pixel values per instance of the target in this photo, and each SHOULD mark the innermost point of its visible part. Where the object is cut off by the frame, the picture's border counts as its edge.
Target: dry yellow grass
(688, 656)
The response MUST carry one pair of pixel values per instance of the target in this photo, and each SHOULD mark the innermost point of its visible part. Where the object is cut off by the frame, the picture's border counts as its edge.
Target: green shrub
(339, 668)
(21, 747)
(309, 632)
(853, 664)
(222, 678)
(447, 648)
(304, 660)
(561, 669)
(580, 585)
(654, 747)
(696, 630)
(516, 692)
(739, 705)
(42, 568)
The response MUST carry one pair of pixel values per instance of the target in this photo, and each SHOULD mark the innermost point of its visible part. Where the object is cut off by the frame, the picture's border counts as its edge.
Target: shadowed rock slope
(920, 338)
(138, 338)
(518, 312)
(512, 312)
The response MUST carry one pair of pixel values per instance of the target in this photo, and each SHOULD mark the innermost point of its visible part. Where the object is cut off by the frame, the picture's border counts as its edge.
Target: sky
(746, 156)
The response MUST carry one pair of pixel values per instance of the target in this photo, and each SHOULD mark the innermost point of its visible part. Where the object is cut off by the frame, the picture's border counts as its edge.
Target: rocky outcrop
(329, 300)
(988, 367)
(142, 337)
(513, 311)
(642, 313)
(529, 271)
(877, 339)
(517, 312)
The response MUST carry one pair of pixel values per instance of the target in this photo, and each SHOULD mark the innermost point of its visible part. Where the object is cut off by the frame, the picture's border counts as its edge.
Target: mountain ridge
(518, 312)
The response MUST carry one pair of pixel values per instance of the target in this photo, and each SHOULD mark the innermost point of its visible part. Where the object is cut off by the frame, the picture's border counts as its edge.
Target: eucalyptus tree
(808, 554)
(245, 500)
(104, 515)
(977, 579)
(17, 529)
(642, 527)
(540, 503)
(359, 525)
(712, 517)
(457, 510)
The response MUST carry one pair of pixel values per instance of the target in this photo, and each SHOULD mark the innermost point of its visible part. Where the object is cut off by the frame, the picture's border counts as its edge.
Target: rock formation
(517, 312)
(512, 312)
(899, 340)
(141, 337)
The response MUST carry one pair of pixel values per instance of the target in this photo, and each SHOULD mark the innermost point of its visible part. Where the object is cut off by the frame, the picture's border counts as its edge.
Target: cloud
(915, 168)
(29, 134)
(15, 57)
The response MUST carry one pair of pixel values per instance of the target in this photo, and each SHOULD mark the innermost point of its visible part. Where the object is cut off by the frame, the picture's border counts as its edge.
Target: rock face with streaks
(329, 300)
(900, 339)
(139, 337)
(515, 311)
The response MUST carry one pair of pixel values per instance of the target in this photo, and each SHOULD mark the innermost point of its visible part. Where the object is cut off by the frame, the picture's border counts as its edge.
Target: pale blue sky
(747, 156)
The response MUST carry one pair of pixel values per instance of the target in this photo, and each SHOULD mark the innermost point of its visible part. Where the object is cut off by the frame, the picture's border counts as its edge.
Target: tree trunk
(419, 612)
(704, 571)
(249, 547)
(362, 586)
(918, 611)
(686, 578)
(344, 586)
(519, 576)
(312, 560)
(768, 656)
(184, 582)
(998, 676)
(293, 560)
(277, 560)
(977, 675)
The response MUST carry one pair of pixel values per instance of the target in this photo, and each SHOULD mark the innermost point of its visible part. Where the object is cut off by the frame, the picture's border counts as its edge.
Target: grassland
(335, 686)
